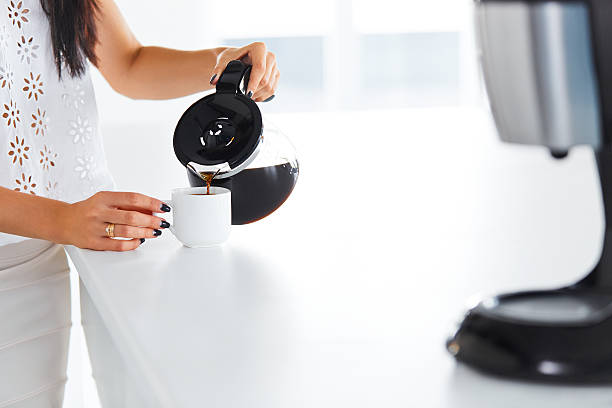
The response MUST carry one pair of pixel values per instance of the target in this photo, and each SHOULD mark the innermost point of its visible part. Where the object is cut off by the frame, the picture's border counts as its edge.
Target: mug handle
(169, 203)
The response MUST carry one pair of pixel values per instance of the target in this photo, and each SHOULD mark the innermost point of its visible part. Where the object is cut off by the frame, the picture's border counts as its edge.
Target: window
(333, 54)
(345, 54)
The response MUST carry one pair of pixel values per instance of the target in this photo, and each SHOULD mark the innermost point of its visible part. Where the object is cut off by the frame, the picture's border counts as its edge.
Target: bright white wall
(413, 37)
(334, 54)
(409, 36)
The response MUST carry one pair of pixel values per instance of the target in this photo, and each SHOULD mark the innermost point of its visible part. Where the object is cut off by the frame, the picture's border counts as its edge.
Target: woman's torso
(50, 144)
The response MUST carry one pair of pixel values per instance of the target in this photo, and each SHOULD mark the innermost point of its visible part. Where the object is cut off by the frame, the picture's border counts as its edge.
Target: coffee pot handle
(235, 78)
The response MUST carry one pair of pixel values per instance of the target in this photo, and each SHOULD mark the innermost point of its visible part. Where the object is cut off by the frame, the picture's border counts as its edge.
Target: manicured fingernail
(270, 98)
(164, 224)
(142, 240)
(156, 233)
(165, 208)
(249, 94)
(213, 78)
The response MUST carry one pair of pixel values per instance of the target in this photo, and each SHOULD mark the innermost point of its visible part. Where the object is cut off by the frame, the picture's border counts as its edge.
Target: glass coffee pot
(222, 139)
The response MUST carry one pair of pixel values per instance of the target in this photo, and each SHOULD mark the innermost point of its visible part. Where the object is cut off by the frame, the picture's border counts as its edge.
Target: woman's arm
(160, 73)
(32, 216)
(83, 223)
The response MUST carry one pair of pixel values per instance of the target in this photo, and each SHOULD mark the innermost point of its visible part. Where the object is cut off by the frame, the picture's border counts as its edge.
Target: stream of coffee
(208, 178)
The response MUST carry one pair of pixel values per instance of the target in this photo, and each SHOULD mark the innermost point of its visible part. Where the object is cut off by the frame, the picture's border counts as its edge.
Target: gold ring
(110, 230)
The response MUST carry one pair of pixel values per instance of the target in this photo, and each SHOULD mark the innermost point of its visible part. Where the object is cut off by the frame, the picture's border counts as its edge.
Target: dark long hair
(73, 33)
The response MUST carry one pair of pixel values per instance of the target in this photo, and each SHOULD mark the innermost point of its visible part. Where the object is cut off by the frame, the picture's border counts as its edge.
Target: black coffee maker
(548, 72)
(223, 135)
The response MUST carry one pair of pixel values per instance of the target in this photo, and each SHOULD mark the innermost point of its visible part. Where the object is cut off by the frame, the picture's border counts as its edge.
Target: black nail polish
(270, 98)
(156, 233)
(142, 240)
(213, 78)
(249, 94)
(165, 208)
(164, 224)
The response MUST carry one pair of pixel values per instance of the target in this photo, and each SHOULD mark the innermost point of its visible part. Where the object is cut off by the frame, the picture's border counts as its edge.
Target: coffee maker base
(561, 335)
(557, 335)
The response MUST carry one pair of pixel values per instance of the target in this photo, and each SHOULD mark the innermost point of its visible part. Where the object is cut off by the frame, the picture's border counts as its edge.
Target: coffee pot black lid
(223, 130)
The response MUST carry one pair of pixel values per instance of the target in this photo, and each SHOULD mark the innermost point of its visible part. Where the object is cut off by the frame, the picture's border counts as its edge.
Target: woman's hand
(84, 223)
(264, 74)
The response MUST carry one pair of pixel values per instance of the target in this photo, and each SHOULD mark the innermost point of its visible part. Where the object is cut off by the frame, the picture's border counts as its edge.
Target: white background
(335, 56)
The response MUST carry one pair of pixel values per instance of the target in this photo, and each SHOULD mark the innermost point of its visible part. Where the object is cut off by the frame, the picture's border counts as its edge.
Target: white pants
(34, 324)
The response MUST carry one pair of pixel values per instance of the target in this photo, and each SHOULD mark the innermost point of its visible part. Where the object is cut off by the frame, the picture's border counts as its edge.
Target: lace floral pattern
(53, 190)
(6, 77)
(40, 122)
(11, 114)
(49, 141)
(5, 37)
(47, 158)
(25, 184)
(80, 130)
(33, 86)
(26, 49)
(74, 97)
(18, 151)
(85, 167)
(17, 13)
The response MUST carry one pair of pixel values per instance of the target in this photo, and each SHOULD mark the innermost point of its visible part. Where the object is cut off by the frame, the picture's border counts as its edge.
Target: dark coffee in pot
(256, 192)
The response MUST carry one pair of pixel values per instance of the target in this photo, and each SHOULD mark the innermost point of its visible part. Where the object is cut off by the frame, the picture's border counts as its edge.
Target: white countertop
(344, 297)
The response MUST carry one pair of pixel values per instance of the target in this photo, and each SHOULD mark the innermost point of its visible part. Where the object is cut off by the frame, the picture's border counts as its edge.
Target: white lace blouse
(50, 144)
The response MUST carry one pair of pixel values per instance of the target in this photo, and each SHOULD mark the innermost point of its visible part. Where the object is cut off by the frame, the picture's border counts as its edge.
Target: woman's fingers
(264, 71)
(276, 80)
(137, 235)
(274, 87)
(271, 69)
(217, 71)
(127, 231)
(131, 201)
(228, 55)
(131, 214)
(266, 85)
(133, 218)
(109, 244)
(257, 54)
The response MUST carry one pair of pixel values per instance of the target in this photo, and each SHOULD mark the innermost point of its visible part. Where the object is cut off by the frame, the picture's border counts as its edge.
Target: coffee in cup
(201, 218)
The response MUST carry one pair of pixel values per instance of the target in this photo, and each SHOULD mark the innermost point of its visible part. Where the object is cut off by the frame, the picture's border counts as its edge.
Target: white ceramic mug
(201, 220)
